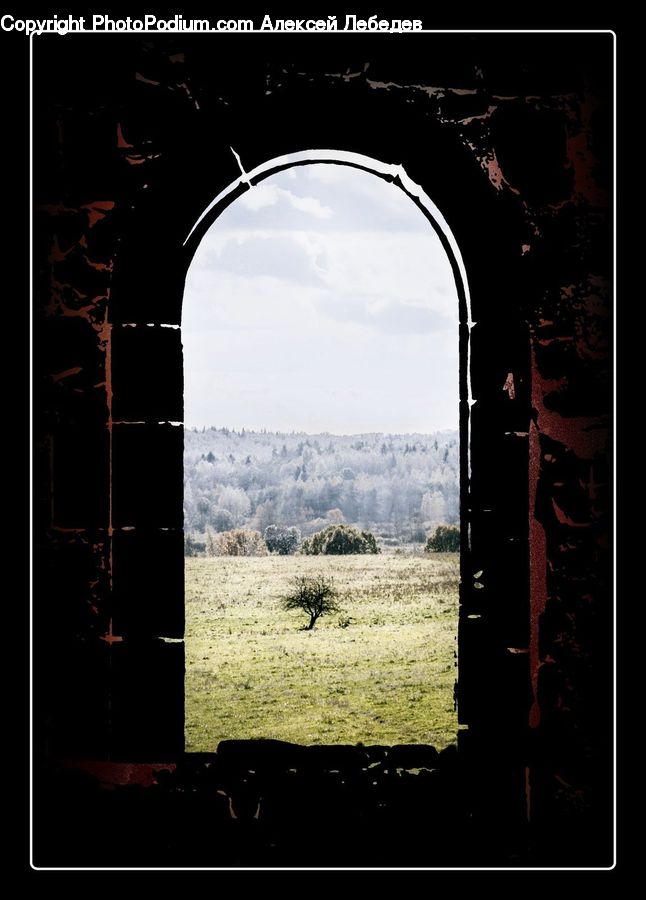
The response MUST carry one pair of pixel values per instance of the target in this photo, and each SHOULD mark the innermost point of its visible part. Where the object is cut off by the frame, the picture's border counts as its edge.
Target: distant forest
(399, 486)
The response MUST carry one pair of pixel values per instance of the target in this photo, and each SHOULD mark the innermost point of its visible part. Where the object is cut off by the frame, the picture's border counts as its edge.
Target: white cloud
(309, 205)
(263, 195)
(259, 197)
(294, 320)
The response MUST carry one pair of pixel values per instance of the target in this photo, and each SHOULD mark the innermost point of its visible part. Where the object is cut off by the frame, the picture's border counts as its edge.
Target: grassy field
(385, 676)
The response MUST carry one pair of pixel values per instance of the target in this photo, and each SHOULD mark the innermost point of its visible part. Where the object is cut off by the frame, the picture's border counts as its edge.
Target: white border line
(31, 489)
(31, 452)
(614, 447)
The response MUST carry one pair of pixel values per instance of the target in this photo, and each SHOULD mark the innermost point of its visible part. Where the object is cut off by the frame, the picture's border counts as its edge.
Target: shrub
(239, 542)
(445, 539)
(340, 540)
(282, 540)
(193, 547)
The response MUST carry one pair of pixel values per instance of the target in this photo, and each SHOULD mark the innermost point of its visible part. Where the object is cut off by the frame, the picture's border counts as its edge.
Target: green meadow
(380, 671)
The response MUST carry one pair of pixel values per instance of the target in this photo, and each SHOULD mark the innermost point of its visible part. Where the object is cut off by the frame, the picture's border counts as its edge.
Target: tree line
(399, 487)
(335, 540)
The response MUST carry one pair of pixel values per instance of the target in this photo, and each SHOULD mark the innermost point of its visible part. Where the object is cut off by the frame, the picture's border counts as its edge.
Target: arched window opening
(321, 321)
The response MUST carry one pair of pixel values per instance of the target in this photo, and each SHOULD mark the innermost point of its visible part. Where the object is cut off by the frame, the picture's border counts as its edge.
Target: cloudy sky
(321, 300)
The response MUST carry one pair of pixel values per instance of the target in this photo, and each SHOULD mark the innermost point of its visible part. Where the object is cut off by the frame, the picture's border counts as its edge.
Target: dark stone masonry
(511, 138)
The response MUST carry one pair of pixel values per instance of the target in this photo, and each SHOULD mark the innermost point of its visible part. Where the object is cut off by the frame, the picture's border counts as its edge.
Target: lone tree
(314, 594)
(340, 540)
(445, 539)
